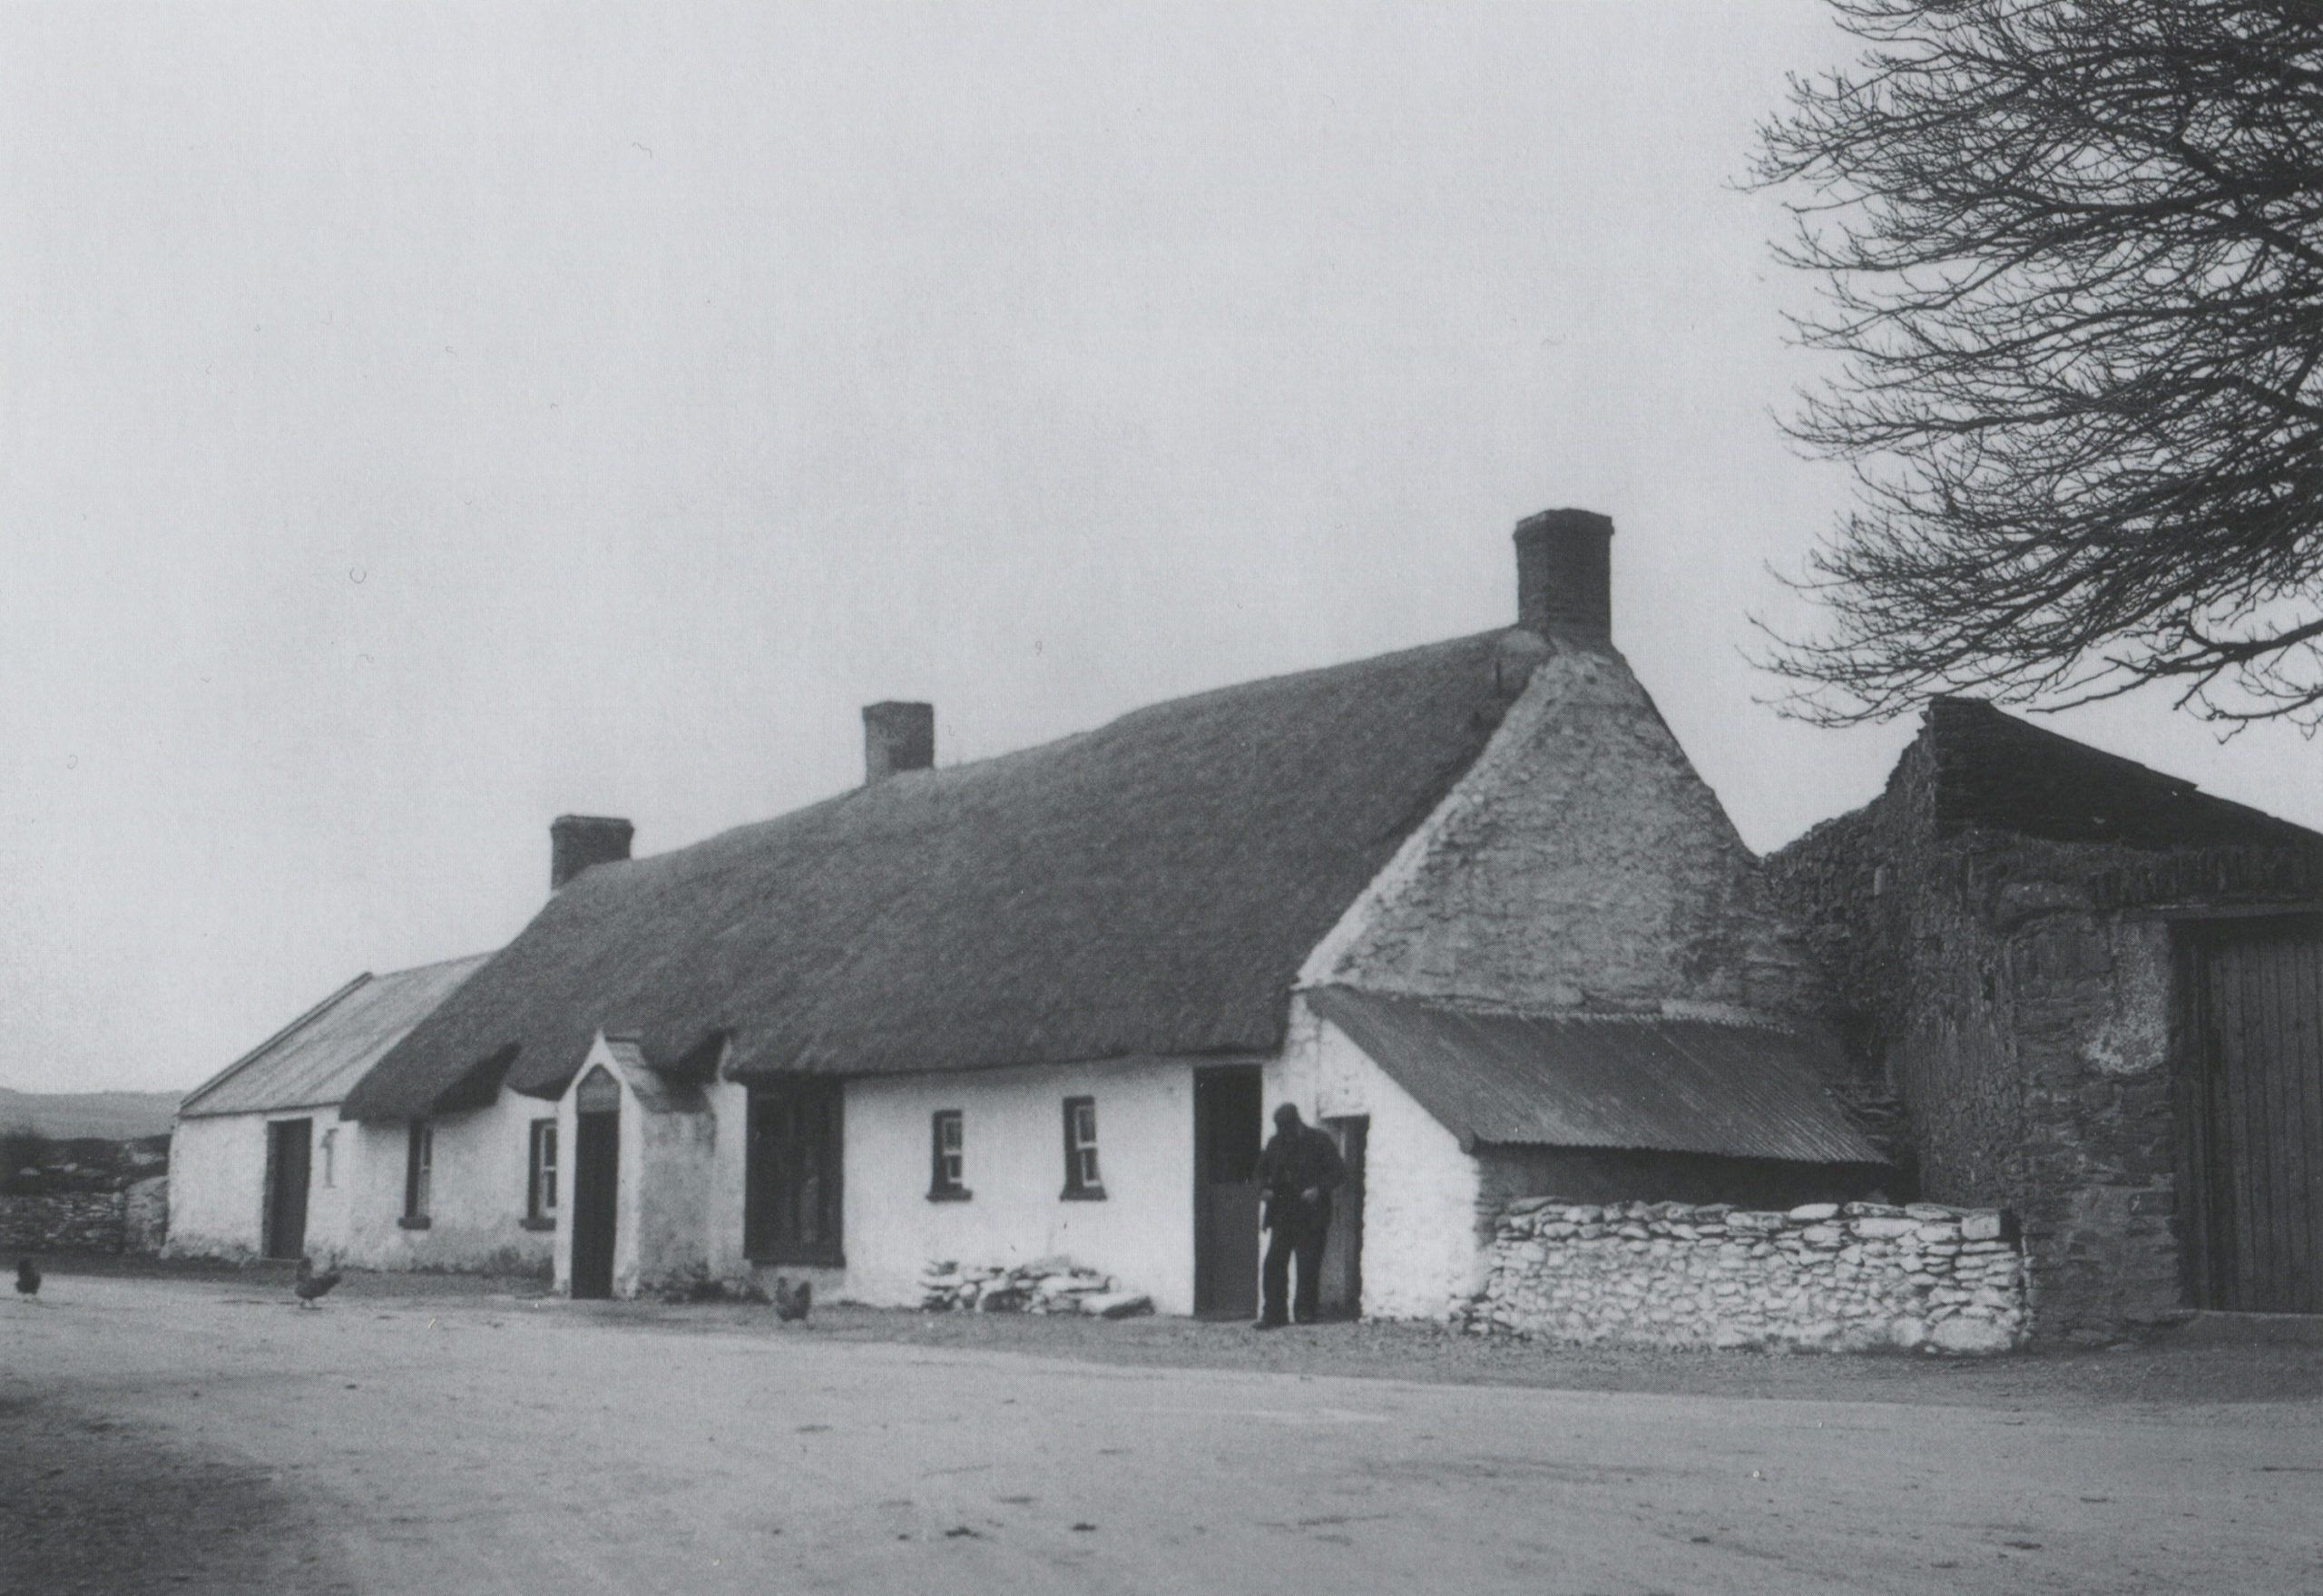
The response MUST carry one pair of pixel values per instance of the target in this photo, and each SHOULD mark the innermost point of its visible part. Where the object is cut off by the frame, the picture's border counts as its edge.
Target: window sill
(538, 1222)
(797, 1259)
(950, 1194)
(415, 1222)
(1081, 1194)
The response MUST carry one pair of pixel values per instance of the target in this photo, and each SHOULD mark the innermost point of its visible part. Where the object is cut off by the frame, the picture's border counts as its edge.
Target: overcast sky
(418, 423)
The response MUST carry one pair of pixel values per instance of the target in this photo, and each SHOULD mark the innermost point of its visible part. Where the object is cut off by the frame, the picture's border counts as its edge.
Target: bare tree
(2072, 254)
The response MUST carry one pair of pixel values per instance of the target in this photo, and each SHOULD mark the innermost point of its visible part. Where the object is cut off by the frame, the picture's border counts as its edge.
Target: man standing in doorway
(1296, 1174)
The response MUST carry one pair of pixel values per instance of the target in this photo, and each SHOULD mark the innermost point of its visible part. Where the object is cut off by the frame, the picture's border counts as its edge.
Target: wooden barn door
(2255, 1231)
(596, 1182)
(1229, 1126)
(289, 1166)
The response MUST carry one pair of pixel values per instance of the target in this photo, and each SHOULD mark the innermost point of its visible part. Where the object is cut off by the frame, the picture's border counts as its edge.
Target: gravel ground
(187, 1429)
(2156, 1366)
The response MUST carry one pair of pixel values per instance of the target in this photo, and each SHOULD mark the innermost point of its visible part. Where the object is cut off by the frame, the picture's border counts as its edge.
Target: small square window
(1080, 1180)
(948, 1151)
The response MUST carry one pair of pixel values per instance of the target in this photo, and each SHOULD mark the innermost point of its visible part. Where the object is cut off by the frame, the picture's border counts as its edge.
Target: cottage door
(1343, 1249)
(2255, 1233)
(289, 1165)
(1229, 1128)
(596, 1181)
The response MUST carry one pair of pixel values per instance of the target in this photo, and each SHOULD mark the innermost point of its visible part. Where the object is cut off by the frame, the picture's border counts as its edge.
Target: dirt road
(190, 1435)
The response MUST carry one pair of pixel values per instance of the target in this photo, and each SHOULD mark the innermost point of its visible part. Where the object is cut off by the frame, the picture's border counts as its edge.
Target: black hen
(27, 1278)
(309, 1285)
(792, 1298)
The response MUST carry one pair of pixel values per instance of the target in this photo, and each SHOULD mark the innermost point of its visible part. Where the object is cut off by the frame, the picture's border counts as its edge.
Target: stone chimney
(575, 842)
(896, 738)
(1564, 576)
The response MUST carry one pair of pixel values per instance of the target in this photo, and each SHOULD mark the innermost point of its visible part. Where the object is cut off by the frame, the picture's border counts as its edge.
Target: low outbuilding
(261, 1163)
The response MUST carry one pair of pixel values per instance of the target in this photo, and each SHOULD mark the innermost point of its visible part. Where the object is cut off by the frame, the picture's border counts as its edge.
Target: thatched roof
(1149, 888)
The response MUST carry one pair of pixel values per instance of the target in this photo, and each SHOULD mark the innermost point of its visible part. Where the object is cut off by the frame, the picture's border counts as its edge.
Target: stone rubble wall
(131, 1221)
(1822, 1277)
(64, 1221)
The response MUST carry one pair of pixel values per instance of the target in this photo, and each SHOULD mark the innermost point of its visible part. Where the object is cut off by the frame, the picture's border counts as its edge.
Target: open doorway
(289, 1165)
(596, 1181)
(1342, 1293)
(1229, 1129)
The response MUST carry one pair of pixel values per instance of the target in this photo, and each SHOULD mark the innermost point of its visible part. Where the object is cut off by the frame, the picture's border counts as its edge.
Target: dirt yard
(185, 1432)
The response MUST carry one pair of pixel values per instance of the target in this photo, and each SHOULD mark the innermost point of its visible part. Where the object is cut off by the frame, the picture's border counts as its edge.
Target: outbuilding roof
(318, 1057)
(1149, 888)
(1994, 769)
(1656, 1084)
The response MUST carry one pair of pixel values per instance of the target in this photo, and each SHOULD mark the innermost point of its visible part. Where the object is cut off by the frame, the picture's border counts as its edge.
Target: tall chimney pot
(896, 738)
(575, 842)
(1565, 575)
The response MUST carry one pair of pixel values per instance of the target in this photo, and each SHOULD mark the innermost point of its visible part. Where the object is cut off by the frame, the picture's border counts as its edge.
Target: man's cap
(1285, 1113)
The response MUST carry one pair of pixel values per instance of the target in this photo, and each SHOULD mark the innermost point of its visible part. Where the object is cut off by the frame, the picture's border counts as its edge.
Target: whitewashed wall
(217, 1187)
(1013, 1122)
(476, 1202)
(1421, 1254)
(217, 1184)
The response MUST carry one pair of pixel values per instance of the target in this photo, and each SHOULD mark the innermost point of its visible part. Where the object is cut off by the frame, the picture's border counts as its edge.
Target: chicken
(792, 1298)
(309, 1285)
(27, 1278)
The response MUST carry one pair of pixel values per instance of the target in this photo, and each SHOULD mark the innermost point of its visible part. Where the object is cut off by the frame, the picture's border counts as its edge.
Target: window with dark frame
(793, 1185)
(540, 1190)
(1080, 1180)
(948, 1156)
(418, 1173)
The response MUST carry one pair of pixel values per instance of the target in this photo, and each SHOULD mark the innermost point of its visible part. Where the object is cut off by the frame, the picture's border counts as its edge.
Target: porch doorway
(289, 1166)
(596, 1182)
(2254, 1231)
(1230, 1123)
(1342, 1294)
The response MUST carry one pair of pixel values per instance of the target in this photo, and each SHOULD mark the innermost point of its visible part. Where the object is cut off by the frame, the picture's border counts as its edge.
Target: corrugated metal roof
(1660, 1084)
(313, 1062)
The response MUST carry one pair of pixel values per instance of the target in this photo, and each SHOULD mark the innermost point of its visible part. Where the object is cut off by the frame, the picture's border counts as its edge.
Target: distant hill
(116, 1116)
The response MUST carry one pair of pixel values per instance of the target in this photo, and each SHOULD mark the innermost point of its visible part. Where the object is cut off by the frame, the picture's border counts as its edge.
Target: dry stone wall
(1822, 1277)
(64, 1221)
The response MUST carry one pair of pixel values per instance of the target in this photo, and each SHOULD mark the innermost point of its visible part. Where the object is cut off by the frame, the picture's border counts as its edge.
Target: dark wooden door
(793, 1178)
(289, 1166)
(1342, 1296)
(2255, 1231)
(596, 1188)
(1229, 1126)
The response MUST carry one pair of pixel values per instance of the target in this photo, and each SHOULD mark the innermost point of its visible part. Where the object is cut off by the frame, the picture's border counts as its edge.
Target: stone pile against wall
(1045, 1285)
(1820, 1276)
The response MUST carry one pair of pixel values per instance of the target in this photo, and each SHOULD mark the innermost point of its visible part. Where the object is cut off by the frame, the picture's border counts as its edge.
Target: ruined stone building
(2096, 995)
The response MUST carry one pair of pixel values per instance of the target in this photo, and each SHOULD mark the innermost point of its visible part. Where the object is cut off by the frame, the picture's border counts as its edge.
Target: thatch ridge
(1148, 887)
